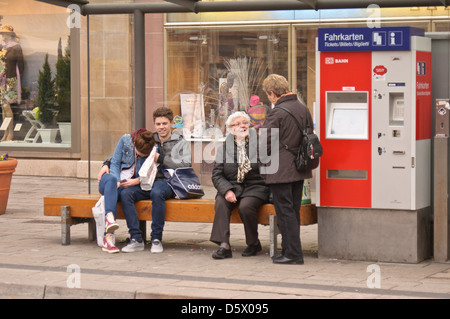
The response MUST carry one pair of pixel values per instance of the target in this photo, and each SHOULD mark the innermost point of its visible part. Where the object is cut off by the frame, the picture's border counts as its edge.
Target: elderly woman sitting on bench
(236, 177)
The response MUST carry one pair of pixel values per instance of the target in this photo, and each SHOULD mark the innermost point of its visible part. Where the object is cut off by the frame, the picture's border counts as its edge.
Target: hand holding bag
(184, 182)
(148, 171)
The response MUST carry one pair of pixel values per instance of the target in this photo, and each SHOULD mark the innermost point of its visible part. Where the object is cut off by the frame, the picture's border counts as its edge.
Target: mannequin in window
(11, 69)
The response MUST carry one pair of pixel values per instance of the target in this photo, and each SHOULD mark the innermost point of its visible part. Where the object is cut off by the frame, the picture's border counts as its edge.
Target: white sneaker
(156, 247)
(133, 246)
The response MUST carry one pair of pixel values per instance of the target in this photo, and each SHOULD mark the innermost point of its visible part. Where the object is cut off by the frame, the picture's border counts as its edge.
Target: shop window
(214, 72)
(34, 75)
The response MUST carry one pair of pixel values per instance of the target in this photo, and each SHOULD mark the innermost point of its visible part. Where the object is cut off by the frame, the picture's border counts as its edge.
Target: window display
(11, 71)
(226, 66)
(34, 77)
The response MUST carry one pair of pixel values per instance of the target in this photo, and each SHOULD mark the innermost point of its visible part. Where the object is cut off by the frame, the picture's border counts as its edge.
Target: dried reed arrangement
(248, 74)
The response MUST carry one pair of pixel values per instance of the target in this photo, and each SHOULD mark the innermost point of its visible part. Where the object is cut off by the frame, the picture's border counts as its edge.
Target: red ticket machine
(373, 114)
(374, 117)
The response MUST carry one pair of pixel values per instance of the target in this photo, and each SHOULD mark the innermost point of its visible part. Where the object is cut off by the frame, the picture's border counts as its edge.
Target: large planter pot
(7, 169)
(48, 135)
(65, 129)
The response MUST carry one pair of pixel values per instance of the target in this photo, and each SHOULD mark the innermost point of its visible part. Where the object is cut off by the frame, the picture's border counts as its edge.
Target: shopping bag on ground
(99, 216)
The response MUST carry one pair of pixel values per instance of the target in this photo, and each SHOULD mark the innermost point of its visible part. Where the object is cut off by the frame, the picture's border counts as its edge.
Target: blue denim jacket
(124, 156)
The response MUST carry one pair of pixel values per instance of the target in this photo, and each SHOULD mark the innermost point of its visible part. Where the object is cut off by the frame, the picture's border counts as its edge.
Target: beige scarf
(243, 161)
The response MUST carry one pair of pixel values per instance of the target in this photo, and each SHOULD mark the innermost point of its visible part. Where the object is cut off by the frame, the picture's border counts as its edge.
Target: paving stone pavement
(35, 265)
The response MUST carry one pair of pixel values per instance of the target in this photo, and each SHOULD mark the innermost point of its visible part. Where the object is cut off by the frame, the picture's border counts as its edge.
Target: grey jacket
(174, 153)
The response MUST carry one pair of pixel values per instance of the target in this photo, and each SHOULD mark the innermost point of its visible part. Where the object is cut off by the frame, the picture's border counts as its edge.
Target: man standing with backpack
(286, 183)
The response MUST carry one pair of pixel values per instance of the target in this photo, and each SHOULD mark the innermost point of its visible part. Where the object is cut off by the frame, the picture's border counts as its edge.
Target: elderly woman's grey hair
(236, 115)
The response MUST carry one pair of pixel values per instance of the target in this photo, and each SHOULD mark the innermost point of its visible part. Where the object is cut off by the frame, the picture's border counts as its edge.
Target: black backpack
(310, 149)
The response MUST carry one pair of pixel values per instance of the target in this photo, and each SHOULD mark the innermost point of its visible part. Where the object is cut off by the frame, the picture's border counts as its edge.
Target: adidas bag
(184, 182)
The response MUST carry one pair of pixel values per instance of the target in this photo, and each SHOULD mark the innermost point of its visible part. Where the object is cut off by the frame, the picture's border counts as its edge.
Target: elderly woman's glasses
(239, 124)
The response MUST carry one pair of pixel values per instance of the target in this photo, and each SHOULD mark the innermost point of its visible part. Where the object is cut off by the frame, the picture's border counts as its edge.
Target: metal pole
(139, 69)
(89, 108)
(441, 200)
(441, 182)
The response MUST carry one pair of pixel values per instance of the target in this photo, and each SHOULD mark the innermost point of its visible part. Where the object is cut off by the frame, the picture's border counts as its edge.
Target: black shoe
(287, 261)
(278, 256)
(222, 253)
(252, 250)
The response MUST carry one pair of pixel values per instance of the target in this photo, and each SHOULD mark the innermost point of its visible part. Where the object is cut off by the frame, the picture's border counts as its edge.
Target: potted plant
(7, 168)
(62, 90)
(46, 102)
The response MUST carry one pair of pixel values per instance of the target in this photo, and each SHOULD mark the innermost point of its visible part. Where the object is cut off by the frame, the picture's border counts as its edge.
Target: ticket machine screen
(347, 115)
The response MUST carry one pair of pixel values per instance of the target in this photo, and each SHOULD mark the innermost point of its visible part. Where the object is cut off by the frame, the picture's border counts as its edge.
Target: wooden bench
(77, 208)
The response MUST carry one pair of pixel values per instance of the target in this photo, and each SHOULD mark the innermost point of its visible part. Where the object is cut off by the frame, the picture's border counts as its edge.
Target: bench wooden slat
(192, 210)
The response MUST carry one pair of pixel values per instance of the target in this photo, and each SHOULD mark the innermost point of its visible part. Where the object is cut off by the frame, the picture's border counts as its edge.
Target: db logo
(194, 186)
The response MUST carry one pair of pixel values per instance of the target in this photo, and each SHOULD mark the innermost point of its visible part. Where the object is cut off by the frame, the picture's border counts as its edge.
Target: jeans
(160, 192)
(108, 188)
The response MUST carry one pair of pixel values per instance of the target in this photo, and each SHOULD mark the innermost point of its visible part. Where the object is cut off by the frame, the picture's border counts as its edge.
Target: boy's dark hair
(163, 112)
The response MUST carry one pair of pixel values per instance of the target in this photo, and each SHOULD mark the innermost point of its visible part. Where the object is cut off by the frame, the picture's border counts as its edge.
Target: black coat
(225, 171)
(289, 135)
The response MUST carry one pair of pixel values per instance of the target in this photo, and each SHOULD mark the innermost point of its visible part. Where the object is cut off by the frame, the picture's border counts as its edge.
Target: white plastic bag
(148, 171)
(99, 215)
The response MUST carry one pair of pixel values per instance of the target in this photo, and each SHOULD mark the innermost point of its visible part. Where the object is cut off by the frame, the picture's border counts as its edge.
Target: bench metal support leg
(65, 225)
(92, 230)
(67, 221)
(143, 228)
(274, 232)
